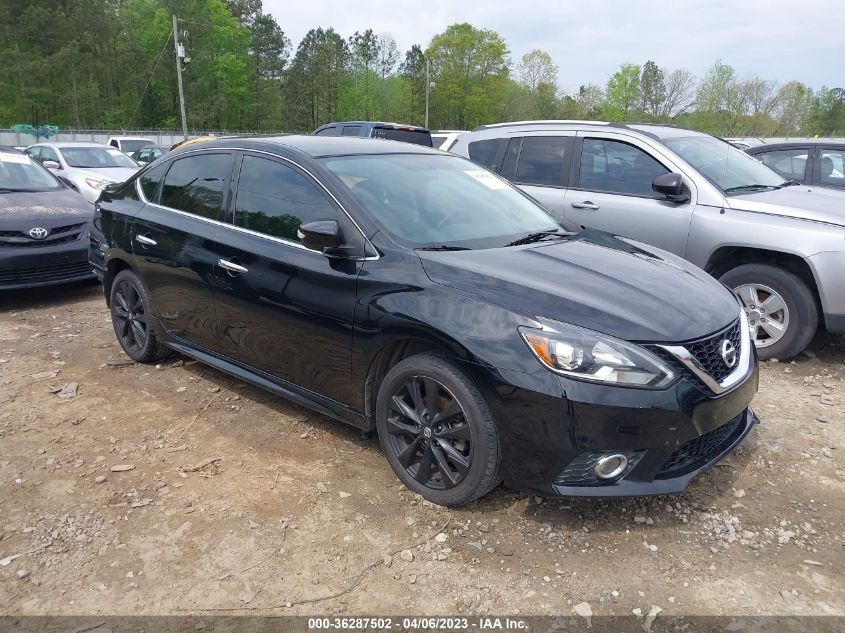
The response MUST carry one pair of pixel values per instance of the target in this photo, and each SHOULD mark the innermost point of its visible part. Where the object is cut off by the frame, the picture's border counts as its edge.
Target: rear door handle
(145, 240)
(590, 206)
(232, 267)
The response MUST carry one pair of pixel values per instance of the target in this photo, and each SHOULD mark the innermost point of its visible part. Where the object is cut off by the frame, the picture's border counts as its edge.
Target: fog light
(611, 466)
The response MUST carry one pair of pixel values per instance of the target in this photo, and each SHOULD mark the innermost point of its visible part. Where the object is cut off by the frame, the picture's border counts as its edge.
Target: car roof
(376, 123)
(655, 130)
(130, 138)
(74, 144)
(756, 149)
(317, 146)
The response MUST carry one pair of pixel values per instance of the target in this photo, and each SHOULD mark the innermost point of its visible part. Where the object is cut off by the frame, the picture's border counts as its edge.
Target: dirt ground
(299, 515)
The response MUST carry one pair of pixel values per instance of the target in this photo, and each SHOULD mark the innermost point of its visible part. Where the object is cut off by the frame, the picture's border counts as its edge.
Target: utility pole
(180, 54)
(427, 89)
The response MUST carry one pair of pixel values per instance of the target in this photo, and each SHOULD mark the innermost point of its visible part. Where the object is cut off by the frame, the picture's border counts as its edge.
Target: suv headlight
(97, 184)
(586, 355)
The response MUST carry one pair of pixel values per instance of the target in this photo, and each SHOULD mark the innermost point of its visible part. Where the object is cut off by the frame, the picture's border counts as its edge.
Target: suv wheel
(437, 431)
(781, 308)
(132, 318)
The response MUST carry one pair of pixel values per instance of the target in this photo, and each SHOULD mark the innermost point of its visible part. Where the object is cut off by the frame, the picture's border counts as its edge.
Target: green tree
(622, 95)
(652, 90)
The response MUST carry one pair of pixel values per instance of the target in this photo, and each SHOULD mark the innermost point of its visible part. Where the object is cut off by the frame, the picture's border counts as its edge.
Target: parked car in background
(809, 162)
(149, 153)
(129, 144)
(88, 167)
(43, 226)
(405, 290)
(445, 139)
(780, 247)
(376, 129)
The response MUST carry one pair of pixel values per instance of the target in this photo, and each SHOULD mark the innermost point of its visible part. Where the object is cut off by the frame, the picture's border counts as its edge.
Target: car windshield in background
(130, 147)
(96, 157)
(18, 172)
(729, 168)
(426, 201)
(418, 137)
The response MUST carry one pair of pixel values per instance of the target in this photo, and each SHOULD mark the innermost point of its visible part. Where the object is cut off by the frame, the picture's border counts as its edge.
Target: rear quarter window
(485, 152)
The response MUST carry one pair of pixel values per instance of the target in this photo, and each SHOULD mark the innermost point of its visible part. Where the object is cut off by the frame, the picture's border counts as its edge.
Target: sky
(588, 40)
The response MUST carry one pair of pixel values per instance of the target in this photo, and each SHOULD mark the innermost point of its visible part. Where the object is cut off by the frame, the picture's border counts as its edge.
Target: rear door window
(486, 152)
(197, 184)
(617, 167)
(541, 160)
(789, 163)
(832, 167)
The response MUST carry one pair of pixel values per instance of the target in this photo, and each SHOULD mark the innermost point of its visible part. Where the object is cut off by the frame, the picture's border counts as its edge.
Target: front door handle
(145, 240)
(231, 267)
(589, 206)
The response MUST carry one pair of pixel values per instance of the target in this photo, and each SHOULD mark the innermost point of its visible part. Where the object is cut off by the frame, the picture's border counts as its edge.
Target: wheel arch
(726, 258)
(113, 267)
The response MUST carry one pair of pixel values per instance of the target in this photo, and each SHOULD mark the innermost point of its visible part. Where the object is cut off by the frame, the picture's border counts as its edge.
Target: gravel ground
(172, 488)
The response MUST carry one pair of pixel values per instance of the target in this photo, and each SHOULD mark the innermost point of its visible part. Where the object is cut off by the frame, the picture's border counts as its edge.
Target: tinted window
(329, 131)
(196, 184)
(789, 163)
(351, 130)
(149, 181)
(485, 152)
(275, 199)
(417, 137)
(508, 169)
(832, 167)
(617, 167)
(134, 146)
(541, 159)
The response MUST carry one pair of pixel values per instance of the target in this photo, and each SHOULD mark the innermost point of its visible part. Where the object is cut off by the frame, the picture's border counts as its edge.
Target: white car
(129, 144)
(87, 167)
(444, 139)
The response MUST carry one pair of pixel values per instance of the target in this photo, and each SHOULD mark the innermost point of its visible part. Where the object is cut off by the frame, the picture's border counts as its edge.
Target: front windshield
(18, 172)
(729, 168)
(96, 157)
(440, 201)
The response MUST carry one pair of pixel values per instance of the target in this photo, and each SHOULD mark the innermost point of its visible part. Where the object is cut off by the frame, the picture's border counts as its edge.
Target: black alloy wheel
(437, 430)
(132, 318)
(429, 433)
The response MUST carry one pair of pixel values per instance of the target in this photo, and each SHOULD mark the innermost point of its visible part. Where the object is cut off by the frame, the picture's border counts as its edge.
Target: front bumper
(45, 266)
(552, 430)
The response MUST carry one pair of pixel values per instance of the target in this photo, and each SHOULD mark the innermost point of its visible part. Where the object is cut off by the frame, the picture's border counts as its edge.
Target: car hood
(112, 174)
(594, 280)
(44, 206)
(798, 201)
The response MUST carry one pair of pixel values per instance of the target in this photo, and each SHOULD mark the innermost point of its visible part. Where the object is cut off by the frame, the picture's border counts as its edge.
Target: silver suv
(779, 245)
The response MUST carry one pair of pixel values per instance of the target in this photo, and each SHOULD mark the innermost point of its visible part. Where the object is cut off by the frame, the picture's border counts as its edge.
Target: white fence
(160, 137)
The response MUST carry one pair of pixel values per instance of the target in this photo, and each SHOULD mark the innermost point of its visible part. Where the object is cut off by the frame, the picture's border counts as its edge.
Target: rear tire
(132, 318)
(784, 332)
(437, 430)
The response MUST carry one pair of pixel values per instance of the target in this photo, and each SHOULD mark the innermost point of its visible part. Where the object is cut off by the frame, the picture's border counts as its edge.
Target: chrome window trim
(731, 380)
(271, 238)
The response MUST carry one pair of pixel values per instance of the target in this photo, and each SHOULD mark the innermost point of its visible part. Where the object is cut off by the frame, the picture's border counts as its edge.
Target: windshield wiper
(443, 247)
(535, 237)
(788, 183)
(749, 188)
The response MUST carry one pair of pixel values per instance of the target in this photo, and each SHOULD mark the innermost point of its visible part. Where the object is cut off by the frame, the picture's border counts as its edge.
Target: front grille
(701, 450)
(45, 274)
(58, 235)
(708, 353)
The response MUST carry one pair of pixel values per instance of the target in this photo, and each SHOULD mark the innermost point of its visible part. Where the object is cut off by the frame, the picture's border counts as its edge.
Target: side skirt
(287, 390)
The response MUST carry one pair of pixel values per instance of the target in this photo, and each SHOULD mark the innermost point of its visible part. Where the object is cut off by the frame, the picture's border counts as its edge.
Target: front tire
(132, 318)
(437, 431)
(781, 308)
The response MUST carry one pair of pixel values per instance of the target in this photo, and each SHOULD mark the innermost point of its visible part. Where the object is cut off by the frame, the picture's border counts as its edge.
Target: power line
(143, 92)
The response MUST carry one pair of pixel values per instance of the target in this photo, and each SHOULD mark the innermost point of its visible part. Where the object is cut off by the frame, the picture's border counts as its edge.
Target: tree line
(110, 64)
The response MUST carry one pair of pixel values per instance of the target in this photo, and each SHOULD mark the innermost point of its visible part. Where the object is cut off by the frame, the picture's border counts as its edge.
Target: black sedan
(43, 226)
(404, 290)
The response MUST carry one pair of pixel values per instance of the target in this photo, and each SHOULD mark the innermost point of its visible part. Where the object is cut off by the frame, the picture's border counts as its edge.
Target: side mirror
(671, 186)
(323, 235)
(51, 164)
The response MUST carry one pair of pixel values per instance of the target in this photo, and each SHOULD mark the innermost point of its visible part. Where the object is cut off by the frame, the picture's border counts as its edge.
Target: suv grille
(708, 352)
(701, 450)
(57, 235)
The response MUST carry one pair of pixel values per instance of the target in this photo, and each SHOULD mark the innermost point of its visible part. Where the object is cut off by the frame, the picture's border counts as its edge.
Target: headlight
(586, 355)
(97, 184)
